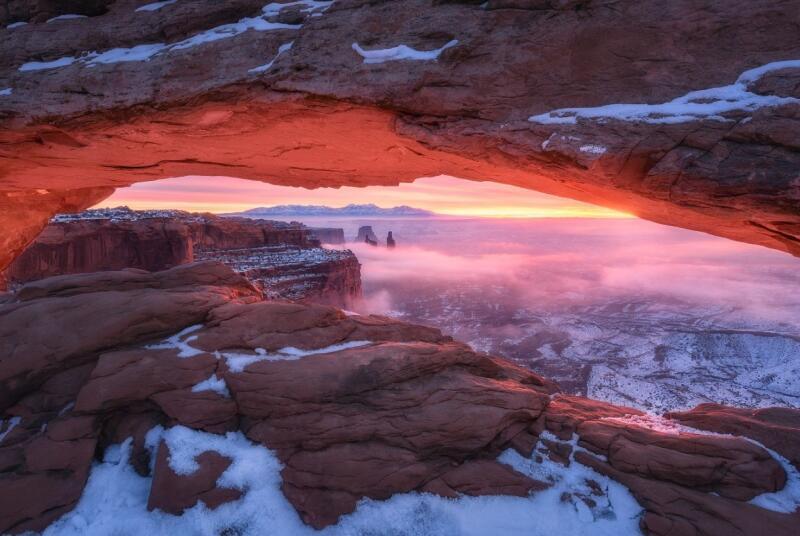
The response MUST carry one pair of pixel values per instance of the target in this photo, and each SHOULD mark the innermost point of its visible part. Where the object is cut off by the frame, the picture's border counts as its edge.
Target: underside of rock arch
(684, 112)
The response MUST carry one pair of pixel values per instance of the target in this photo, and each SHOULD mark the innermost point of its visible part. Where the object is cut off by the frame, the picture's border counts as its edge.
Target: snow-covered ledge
(707, 104)
(401, 52)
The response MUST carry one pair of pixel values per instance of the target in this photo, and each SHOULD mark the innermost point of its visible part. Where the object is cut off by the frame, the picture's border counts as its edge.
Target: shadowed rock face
(382, 407)
(114, 239)
(282, 259)
(342, 105)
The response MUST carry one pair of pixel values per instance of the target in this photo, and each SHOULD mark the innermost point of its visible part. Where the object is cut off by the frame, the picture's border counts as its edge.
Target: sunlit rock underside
(681, 112)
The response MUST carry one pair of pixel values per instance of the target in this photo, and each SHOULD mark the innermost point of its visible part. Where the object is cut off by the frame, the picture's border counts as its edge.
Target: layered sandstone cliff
(305, 275)
(683, 112)
(113, 239)
(353, 407)
(282, 259)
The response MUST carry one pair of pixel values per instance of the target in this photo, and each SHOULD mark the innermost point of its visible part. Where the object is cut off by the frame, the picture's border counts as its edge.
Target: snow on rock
(225, 31)
(274, 8)
(593, 149)
(68, 16)
(16, 25)
(115, 500)
(116, 55)
(786, 500)
(615, 512)
(147, 51)
(238, 362)
(6, 92)
(262, 68)
(155, 6)
(658, 424)
(7, 426)
(401, 52)
(180, 342)
(214, 384)
(697, 105)
(40, 65)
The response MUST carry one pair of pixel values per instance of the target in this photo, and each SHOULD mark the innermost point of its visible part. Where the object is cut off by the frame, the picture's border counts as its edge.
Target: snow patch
(145, 52)
(697, 105)
(155, 6)
(238, 362)
(16, 25)
(214, 384)
(116, 55)
(6, 92)
(180, 342)
(225, 31)
(7, 426)
(787, 500)
(115, 501)
(660, 424)
(283, 48)
(68, 16)
(274, 8)
(594, 149)
(401, 52)
(39, 65)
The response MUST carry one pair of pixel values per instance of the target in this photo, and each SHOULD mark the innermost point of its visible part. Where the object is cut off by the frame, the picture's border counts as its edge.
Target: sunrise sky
(444, 195)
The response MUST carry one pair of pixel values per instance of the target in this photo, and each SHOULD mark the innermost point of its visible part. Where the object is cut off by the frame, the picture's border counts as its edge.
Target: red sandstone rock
(99, 315)
(565, 413)
(673, 510)
(174, 493)
(409, 410)
(730, 467)
(201, 110)
(775, 428)
(148, 240)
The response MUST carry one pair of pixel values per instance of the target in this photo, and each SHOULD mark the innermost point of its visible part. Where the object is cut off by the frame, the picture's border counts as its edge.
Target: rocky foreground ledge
(353, 407)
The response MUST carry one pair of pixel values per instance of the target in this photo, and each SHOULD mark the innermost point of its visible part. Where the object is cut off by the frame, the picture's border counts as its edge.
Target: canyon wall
(683, 112)
(113, 239)
(281, 258)
(95, 245)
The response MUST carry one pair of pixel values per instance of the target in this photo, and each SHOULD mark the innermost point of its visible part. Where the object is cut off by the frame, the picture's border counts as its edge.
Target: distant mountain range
(322, 210)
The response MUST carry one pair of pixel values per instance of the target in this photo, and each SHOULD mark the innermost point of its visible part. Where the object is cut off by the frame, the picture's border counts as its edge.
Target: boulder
(173, 493)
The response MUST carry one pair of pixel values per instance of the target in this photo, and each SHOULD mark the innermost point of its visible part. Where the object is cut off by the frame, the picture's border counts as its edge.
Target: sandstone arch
(281, 94)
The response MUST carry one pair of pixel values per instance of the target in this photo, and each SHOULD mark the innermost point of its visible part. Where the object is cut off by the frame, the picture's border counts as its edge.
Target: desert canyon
(188, 373)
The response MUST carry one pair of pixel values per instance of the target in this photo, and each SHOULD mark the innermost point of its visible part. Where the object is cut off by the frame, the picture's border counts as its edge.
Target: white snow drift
(238, 362)
(707, 104)
(145, 52)
(155, 6)
(401, 52)
(115, 500)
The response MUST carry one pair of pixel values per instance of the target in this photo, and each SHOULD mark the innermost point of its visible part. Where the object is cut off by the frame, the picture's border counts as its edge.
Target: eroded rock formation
(113, 239)
(305, 275)
(332, 93)
(282, 259)
(383, 408)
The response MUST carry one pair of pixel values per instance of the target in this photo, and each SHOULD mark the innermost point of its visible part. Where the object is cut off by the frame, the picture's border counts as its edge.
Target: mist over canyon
(176, 371)
(617, 309)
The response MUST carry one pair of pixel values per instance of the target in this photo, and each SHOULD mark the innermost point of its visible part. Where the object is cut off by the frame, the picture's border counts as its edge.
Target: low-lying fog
(619, 309)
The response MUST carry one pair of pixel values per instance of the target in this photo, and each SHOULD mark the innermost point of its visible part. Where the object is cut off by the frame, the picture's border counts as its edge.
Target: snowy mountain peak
(349, 210)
